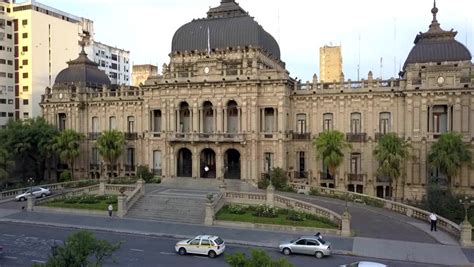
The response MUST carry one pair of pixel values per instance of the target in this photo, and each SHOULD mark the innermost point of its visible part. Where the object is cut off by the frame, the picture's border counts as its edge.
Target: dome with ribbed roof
(227, 25)
(82, 71)
(437, 45)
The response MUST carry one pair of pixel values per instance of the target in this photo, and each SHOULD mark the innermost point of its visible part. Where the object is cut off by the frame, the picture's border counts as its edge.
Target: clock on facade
(440, 80)
(206, 70)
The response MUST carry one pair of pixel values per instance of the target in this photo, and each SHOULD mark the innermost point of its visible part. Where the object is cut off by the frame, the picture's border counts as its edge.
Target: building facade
(7, 81)
(115, 62)
(141, 73)
(226, 107)
(330, 64)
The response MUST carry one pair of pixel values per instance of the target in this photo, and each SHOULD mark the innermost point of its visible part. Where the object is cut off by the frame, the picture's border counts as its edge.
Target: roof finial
(434, 11)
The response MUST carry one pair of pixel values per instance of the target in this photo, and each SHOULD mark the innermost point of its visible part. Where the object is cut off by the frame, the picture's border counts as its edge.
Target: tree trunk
(72, 170)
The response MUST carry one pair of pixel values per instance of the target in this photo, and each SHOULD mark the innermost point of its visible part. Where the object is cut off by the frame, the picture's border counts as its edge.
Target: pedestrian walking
(319, 235)
(433, 219)
(110, 209)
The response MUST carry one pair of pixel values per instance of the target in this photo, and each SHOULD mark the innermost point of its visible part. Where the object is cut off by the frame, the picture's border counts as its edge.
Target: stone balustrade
(125, 202)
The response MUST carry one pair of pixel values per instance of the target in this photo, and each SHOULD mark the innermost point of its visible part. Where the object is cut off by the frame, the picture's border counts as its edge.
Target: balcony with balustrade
(206, 137)
(356, 137)
(301, 136)
(131, 136)
(93, 136)
(355, 177)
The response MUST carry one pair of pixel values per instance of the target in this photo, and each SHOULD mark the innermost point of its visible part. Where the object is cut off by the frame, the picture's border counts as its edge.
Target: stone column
(219, 164)
(195, 120)
(225, 121)
(209, 219)
(121, 206)
(201, 121)
(141, 185)
(270, 196)
(30, 204)
(466, 234)
(275, 120)
(239, 120)
(346, 224)
(102, 186)
(178, 121)
(196, 164)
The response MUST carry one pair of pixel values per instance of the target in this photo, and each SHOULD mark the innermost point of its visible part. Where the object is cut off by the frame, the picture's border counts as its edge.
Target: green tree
(143, 172)
(81, 249)
(258, 258)
(449, 153)
(391, 152)
(5, 165)
(67, 145)
(27, 141)
(330, 147)
(111, 144)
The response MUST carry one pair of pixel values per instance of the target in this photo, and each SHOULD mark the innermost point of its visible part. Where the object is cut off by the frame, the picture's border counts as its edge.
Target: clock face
(440, 80)
(206, 70)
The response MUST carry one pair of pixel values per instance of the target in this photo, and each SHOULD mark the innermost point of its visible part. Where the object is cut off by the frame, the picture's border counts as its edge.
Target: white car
(365, 264)
(211, 246)
(37, 192)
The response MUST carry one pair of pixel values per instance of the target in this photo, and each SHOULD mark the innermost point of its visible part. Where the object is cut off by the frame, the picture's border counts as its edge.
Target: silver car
(364, 264)
(309, 245)
(37, 192)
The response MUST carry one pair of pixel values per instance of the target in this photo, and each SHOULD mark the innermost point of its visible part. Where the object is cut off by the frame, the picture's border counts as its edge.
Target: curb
(125, 231)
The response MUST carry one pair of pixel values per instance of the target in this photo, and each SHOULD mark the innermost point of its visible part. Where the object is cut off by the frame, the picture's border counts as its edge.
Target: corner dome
(82, 71)
(437, 45)
(227, 25)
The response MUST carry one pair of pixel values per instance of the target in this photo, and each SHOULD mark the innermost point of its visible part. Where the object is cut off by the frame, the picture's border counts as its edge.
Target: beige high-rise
(330, 64)
(226, 107)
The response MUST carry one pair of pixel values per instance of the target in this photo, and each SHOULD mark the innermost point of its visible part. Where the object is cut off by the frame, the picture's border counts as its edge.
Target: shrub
(111, 200)
(296, 216)
(263, 183)
(278, 178)
(143, 171)
(265, 211)
(88, 199)
(65, 176)
(70, 200)
(237, 209)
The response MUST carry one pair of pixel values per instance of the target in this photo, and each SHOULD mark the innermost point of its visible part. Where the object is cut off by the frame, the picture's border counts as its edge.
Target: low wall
(407, 210)
(277, 227)
(71, 211)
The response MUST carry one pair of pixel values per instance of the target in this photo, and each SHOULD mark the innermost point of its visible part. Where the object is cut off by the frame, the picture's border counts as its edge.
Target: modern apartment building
(226, 107)
(114, 61)
(7, 81)
(39, 40)
(330, 63)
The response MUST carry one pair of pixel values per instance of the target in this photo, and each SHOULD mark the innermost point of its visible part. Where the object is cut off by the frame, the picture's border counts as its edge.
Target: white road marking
(11, 258)
(9, 235)
(37, 261)
(136, 249)
(167, 253)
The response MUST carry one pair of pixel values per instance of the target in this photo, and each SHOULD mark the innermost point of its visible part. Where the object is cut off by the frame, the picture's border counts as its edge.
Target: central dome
(227, 25)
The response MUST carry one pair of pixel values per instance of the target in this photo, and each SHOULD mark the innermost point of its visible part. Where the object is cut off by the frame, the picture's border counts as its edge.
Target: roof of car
(308, 237)
(212, 237)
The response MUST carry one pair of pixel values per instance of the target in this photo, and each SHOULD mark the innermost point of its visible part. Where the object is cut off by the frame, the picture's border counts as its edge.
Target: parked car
(37, 192)
(309, 245)
(211, 246)
(364, 264)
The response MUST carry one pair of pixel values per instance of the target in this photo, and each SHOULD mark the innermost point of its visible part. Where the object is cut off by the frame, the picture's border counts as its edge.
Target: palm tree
(449, 153)
(67, 145)
(391, 152)
(330, 147)
(111, 144)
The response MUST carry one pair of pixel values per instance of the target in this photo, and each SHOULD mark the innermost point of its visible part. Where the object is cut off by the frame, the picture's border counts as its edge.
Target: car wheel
(43, 195)
(22, 199)
(212, 254)
(319, 254)
(286, 251)
(182, 251)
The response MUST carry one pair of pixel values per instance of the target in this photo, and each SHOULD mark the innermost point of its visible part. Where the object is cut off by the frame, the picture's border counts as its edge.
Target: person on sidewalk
(433, 219)
(110, 209)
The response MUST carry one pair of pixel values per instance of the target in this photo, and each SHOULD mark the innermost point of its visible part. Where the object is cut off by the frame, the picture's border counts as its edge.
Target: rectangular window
(267, 162)
(301, 123)
(3, 101)
(62, 121)
(95, 156)
(95, 125)
(24, 22)
(25, 89)
(3, 61)
(25, 102)
(356, 163)
(384, 123)
(3, 114)
(3, 74)
(24, 49)
(9, 36)
(10, 101)
(26, 115)
(156, 121)
(25, 75)
(355, 123)
(10, 62)
(327, 121)
(112, 123)
(25, 62)
(24, 35)
(10, 75)
(131, 124)
(131, 156)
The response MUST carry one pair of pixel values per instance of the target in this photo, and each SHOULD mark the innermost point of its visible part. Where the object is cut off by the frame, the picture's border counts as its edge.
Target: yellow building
(330, 63)
(7, 82)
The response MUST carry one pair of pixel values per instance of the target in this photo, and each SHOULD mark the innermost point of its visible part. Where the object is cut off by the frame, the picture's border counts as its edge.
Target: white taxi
(209, 245)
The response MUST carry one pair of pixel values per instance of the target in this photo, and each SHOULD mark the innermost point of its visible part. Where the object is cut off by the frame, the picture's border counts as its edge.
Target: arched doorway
(232, 164)
(185, 163)
(208, 117)
(184, 118)
(208, 163)
(232, 117)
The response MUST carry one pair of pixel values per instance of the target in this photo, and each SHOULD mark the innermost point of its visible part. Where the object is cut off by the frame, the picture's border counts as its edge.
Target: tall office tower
(330, 63)
(142, 72)
(7, 82)
(114, 61)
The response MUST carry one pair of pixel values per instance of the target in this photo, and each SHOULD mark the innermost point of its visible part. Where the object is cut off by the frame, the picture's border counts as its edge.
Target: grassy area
(88, 202)
(247, 214)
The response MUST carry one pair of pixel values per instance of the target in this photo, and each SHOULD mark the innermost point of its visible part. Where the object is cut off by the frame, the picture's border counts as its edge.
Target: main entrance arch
(208, 163)
(184, 163)
(232, 164)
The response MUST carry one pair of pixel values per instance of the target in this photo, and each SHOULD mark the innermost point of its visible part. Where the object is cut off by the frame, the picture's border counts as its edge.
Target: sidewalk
(364, 247)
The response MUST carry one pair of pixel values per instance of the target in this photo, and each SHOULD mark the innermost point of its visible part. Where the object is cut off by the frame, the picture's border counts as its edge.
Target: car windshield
(294, 240)
(219, 241)
(321, 241)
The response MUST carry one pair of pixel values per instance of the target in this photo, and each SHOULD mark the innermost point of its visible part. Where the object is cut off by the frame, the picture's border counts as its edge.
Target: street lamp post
(31, 182)
(466, 227)
(467, 203)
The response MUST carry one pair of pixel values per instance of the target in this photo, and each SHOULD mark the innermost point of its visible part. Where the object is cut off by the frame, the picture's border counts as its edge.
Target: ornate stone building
(226, 106)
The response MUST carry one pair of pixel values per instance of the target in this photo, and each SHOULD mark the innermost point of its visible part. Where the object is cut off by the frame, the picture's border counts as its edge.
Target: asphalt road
(26, 244)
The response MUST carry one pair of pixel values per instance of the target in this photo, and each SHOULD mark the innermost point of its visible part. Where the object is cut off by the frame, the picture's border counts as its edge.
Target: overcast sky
(366, 29)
